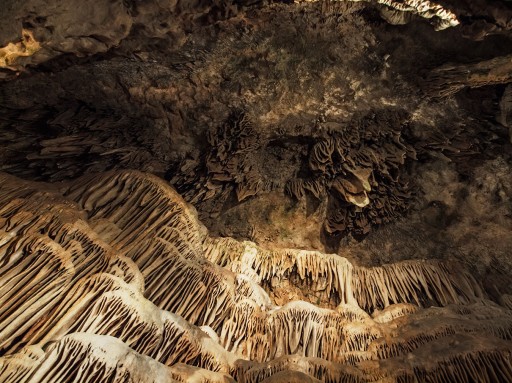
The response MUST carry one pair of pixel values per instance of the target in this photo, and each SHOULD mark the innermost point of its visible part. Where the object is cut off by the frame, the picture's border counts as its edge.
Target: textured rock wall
(349, 159)
(113, 278)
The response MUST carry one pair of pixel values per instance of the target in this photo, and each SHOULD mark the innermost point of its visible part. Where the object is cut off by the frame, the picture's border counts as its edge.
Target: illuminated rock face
(307, 106)
(350, 162)
(113, 278)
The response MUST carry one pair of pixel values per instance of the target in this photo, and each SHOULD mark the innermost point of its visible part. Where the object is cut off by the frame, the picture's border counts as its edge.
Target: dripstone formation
(255, 191)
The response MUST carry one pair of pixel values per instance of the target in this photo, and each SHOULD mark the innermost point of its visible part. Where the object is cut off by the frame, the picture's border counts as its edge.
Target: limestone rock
(110, 277)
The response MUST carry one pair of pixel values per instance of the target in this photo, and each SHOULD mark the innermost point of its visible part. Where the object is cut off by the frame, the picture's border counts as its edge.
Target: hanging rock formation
(442, 18)
(357, 168)
(114, 275)
(250, 191)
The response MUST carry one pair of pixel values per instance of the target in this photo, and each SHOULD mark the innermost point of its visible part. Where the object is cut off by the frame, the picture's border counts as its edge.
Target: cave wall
(375, 131)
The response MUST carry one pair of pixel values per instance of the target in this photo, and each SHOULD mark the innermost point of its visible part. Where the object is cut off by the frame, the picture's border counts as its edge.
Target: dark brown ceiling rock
(505, 113)
(451, 78)
(39, 31)
(481, 18)
(47, 30)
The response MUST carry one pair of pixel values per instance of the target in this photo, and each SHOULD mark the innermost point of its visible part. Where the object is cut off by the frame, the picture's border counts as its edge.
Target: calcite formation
(355, 166)
(218, 191)
(113, 278)
(442, 18)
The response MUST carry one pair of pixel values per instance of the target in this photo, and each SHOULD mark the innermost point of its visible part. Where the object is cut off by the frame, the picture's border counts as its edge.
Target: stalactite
(73, 285)
(417, 282)
(442, 18)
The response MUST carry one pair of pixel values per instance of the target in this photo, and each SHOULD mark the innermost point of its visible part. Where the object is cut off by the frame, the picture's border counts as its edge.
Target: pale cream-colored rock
(442, 18)
(25, 48)
(80, 357)
(113, 278)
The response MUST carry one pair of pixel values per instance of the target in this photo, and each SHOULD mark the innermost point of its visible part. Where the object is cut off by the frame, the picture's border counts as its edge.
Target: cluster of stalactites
(358, 169)
(58, 277)
(421, 282)
(80, 301)
(440, 17)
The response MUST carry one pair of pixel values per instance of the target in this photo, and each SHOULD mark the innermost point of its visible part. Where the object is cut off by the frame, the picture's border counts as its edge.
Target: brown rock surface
(255, 191)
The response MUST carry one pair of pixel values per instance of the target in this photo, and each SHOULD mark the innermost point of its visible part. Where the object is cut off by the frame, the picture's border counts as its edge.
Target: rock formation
(110, 277)
(255, 191)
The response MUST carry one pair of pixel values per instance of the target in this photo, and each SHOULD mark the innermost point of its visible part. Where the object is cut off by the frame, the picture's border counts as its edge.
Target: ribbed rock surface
(113, 278)
(350, 161)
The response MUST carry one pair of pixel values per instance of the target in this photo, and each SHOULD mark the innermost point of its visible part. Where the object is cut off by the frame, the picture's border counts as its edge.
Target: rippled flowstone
(112, 277)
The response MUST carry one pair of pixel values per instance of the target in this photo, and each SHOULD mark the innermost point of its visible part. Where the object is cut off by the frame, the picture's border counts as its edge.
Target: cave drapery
(255, 191)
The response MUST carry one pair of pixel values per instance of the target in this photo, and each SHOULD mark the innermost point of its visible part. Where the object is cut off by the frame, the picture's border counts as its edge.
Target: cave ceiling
(255, 190)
